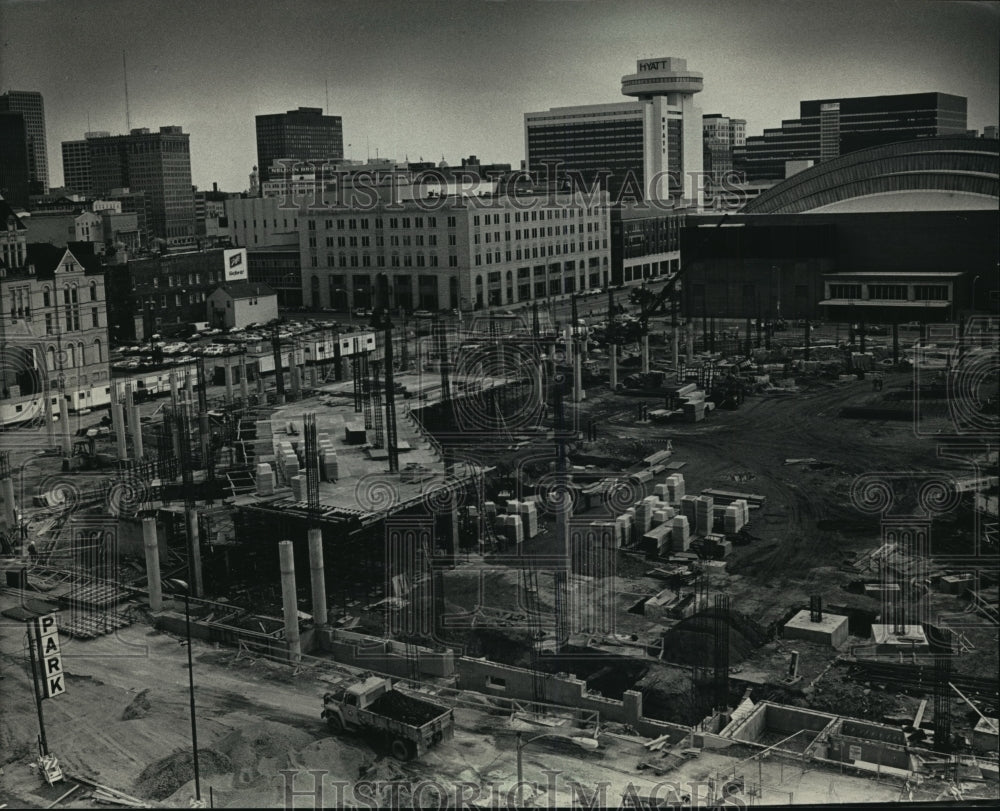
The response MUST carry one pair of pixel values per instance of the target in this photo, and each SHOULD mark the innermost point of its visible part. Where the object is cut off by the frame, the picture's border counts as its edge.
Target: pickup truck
(409, 725)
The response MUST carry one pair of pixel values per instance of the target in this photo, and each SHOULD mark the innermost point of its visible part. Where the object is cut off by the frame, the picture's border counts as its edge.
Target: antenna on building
(327, 82)
(128, 118)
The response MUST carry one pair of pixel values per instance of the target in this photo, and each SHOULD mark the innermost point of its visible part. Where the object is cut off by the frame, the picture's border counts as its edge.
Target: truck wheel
(401, 749)
(335, 724)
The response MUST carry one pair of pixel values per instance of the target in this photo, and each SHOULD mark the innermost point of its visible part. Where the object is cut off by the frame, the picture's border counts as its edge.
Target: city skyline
(422, 80)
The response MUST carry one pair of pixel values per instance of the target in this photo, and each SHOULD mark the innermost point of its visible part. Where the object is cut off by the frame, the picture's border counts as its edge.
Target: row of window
(534, 252)
(72, 316)
(72, 355)
(365, 261)
(352, 224)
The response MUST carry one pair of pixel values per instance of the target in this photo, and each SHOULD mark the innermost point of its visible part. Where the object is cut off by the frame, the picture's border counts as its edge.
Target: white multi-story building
(458, 252)
(651, 148)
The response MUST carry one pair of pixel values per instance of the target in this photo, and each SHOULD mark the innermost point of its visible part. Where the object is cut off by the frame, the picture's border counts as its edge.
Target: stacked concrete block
(289, 461)
(510, 527)
(660, 536)
(732, 519)
(644, 513)
(661, 492)
(512, 506)
(265, 479)
(624, 524)
(744, 507)
(693, 411)
(528, 511)
(704, 515)
(299, 488)
(680, 533)
(688, 509)
(328, 464)
(675, 488)
(491, 509)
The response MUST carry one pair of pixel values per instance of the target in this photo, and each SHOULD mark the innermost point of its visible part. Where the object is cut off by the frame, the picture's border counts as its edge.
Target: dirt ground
(124, 722)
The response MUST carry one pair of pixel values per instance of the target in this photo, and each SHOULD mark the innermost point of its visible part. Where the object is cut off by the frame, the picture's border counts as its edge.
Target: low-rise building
(161, 294)
(237, 305)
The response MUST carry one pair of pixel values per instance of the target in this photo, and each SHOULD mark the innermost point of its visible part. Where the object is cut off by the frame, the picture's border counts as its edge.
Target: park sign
(46, 641)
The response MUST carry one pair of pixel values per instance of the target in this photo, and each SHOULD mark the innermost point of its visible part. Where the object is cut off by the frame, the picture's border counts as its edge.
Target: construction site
(631, 558)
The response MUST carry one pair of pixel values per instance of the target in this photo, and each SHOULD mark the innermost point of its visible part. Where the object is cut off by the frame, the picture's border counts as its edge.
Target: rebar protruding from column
(613, 358)
(645, 354)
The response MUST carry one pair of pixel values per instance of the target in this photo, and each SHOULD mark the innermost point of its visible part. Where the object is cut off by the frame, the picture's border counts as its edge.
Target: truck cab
(359, 697)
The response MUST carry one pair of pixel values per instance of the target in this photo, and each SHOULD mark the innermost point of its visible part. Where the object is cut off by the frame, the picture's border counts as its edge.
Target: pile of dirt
(259, 749)
(692, 641)
(161, 779)
(139, 707)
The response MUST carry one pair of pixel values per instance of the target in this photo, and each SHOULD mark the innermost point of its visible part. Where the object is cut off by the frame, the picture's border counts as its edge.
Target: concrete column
(194, 550)
(175, 437)
(136, 432)
(318, 574)
(244, 385)
(578, 393)
(204, 435)
(613, 357)
(189, 385)
(296, 381)
(67, 440)
(118, 418)
(690, 341)
(675, 357)
(227, 370)
(9, 516)
(129, 399)
(149, 541)
(290, 601)
(173, 389)
(645, 354)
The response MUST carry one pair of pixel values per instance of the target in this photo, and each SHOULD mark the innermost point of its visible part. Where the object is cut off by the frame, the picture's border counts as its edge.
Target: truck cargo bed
(406, 709)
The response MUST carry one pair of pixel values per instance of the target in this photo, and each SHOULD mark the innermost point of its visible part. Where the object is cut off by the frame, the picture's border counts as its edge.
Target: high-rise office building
(14, 159)
(648, 149)
(827, 128)
(304, 134)
(721, 134)
(76, 163)
(156, 164)
(29, 103)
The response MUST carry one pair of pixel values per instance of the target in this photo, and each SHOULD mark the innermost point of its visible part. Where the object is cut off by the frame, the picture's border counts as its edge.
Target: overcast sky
(427, 79)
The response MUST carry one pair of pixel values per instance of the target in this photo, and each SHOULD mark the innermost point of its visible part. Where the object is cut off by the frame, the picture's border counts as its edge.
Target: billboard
(236, 264)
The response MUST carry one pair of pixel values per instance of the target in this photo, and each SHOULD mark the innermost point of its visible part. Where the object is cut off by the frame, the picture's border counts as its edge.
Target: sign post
(48, 680)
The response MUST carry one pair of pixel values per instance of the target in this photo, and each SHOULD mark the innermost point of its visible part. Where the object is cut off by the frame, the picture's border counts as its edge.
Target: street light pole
(194, 725)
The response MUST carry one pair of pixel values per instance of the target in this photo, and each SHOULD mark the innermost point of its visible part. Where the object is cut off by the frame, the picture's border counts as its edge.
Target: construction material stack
(328, 465)
(528, 510)
(680, 533)
(265, 479)
(675, 488)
